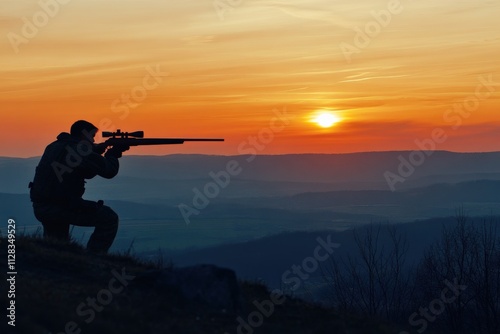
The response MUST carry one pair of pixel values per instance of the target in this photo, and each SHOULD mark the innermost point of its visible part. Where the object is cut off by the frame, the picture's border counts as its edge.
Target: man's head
(84, 130)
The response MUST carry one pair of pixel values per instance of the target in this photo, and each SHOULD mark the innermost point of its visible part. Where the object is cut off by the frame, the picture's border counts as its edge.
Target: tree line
(453, 288)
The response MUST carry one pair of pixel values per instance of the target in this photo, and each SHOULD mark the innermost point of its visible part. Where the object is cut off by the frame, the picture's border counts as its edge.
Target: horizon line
(279, 154)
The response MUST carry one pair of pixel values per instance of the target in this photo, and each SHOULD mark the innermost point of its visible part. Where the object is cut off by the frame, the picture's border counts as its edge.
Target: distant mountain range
(226, 219)
(271, 194)
(283, 174)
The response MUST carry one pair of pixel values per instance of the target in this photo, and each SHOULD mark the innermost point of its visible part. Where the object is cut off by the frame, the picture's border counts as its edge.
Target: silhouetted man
(59, 184)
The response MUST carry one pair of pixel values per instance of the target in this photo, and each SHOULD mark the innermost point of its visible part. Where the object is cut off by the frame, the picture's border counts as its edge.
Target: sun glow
(326, 119)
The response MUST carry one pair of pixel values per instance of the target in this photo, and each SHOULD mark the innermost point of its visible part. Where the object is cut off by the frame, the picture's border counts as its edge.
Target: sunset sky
(391, 72)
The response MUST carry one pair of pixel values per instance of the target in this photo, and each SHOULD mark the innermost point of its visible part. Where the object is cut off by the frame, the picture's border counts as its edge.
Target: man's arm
(95, 164)
(106, 166)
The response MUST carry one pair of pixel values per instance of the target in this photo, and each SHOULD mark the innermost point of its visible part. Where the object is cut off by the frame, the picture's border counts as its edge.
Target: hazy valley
(270, 195)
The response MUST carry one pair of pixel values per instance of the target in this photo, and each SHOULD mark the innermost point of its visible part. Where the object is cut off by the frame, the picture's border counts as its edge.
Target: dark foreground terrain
(60, 288)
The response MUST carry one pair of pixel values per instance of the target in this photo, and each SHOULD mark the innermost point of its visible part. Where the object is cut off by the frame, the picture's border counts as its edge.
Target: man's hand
(117, 150)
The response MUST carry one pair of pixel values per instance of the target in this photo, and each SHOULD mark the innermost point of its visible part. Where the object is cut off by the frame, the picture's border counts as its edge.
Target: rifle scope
(119, 134)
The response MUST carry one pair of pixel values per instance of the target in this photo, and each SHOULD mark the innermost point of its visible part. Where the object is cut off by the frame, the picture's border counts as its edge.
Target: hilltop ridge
(60, 288)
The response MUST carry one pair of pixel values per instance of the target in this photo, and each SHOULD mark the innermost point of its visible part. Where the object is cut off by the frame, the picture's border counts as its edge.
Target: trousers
(57, 218)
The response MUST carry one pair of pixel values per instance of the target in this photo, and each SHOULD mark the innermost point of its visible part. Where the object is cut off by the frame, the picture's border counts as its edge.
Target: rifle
(137, 138)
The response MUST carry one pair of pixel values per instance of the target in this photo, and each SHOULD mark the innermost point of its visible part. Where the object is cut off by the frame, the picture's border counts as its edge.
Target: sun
(326, 119)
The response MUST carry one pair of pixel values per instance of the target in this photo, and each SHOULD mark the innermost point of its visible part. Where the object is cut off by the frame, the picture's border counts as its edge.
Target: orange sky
(226, 74)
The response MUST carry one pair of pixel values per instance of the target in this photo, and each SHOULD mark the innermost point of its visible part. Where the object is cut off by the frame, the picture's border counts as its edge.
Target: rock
(215, 287)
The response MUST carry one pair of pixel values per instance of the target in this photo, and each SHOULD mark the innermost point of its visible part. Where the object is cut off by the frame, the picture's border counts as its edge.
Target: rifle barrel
(154, 141)
(202, 139)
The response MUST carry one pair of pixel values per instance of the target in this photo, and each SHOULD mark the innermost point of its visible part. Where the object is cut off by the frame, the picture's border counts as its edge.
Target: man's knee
(108, 217)
(54, 221)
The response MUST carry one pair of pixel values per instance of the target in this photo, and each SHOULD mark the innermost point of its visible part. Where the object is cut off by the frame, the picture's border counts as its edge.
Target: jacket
(65, 165)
